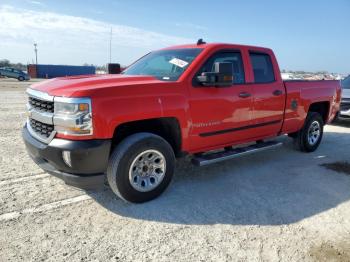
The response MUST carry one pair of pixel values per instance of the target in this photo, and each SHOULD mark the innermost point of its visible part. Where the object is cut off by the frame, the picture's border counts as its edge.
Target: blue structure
(50, 71)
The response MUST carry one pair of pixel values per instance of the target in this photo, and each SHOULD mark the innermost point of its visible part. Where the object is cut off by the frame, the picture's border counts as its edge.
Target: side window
(231, 57)
(262, 68)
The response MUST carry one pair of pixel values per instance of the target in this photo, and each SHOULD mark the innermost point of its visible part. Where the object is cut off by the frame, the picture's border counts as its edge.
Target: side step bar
(207, 159)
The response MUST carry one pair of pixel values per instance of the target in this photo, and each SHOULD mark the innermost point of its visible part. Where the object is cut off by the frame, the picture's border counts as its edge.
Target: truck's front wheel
(141, 167)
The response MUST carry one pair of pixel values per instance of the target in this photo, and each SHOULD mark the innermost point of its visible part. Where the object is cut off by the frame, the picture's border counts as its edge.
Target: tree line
(7, 63)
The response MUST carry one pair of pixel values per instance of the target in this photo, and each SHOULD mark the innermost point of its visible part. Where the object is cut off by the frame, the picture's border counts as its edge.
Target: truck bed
(301, 93)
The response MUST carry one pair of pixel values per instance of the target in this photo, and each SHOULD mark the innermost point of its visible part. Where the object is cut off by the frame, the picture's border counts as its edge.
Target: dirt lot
(280, 205)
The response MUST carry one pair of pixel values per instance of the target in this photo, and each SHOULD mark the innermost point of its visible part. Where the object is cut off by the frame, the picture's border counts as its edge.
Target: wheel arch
(322, 108)
(165, 127)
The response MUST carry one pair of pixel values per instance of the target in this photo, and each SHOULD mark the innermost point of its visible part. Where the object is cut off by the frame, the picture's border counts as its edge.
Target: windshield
(346, 83)
(166, 65)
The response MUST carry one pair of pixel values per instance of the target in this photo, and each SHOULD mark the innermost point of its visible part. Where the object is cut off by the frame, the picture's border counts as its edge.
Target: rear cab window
(262, 67)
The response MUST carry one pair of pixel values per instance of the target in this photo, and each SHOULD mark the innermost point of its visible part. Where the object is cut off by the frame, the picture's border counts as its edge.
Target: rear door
(268, 95)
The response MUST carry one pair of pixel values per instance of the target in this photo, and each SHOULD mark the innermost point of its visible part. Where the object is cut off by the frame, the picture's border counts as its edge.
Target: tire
(20, 78)
(135, 186)
(303, 140)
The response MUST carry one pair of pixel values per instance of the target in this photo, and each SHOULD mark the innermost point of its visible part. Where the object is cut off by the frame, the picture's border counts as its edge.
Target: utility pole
(110, 46)
(36, 53)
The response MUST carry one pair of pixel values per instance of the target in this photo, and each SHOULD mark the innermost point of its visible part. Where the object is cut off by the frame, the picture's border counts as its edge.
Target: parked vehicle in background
(198, 99)
(344, 112)
(13, 73)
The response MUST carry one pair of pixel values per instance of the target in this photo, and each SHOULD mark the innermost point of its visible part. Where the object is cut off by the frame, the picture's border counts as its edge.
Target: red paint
(118, 99)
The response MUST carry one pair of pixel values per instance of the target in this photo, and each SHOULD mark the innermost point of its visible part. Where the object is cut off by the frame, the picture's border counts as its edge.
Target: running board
(207, 159)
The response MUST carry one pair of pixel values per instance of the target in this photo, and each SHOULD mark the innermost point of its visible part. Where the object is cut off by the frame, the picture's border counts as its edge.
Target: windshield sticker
(178, 62)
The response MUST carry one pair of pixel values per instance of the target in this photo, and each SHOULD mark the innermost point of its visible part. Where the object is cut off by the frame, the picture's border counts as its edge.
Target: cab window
(262, 68)
(234, 58)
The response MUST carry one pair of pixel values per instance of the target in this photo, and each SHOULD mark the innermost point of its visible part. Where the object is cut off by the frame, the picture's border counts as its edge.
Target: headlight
(72, 116)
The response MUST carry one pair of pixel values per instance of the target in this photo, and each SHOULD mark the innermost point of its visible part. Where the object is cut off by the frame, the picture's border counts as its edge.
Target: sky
(308, 35)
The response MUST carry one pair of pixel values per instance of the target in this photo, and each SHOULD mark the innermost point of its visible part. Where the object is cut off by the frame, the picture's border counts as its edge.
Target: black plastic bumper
(89, 159)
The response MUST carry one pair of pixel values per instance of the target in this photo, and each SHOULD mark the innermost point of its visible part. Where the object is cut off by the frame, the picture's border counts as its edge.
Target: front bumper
(89, 159)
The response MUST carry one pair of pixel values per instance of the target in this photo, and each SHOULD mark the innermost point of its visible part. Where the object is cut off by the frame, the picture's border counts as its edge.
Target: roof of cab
(213, 45)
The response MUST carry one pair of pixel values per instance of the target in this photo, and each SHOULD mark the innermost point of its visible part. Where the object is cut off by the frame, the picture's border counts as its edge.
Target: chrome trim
(73, 100)
(39, 95)
(43, 117)
(40, 116)
(43, 139)
(52, 118)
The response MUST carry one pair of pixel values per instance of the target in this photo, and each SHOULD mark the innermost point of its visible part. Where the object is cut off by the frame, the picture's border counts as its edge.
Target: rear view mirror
(221, 77)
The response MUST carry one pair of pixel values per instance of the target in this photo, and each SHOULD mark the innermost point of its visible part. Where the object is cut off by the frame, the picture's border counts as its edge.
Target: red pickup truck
(198, 99)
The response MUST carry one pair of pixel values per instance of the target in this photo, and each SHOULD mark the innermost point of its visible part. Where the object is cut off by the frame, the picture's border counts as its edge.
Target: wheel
(309, 137)
(20, 78)
(141, 167)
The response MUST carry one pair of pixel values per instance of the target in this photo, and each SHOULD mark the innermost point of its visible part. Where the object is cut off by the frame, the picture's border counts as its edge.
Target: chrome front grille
(41, 128)
(40, 108)
(41, 105)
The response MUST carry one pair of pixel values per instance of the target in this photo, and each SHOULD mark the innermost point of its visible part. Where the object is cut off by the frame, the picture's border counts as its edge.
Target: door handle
(244, 95)
(277, 92)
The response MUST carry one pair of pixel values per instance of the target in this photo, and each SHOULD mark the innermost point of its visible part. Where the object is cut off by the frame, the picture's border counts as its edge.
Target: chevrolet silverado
(201, 100)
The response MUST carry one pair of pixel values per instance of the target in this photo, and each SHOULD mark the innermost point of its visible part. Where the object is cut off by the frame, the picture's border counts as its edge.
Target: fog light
(66, 158)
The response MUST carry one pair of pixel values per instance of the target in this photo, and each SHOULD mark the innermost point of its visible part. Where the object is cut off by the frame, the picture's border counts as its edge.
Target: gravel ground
(280, 205)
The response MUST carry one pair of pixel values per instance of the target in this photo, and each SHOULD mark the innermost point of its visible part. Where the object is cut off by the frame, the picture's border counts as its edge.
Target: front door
(219, 113)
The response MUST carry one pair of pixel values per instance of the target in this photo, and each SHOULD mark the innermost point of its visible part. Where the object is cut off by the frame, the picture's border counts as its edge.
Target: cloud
(35, 2)
(64, 34)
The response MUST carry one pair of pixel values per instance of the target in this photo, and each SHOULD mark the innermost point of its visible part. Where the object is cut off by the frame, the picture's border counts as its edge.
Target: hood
(84, 85)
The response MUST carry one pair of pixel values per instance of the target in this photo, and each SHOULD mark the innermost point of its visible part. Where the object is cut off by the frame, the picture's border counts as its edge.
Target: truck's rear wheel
(141, 167)
(309, 137)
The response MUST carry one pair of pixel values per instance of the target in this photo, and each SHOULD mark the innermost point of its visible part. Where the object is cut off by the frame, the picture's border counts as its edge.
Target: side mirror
(221, 77)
